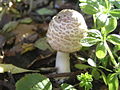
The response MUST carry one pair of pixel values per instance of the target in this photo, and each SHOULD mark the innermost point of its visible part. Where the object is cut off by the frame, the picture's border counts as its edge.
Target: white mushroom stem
(62, 62)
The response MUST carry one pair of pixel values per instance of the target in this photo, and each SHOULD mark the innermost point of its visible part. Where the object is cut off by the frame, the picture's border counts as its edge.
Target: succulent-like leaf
(107, 4)
(114, 39)
(34, 82)
(89, 41)
(101, 50)
(88, 8)
(101, 20)
(94, 33)
(117, 48)
(115, 12)
(111, 24)
(116, 3)
(113, 82)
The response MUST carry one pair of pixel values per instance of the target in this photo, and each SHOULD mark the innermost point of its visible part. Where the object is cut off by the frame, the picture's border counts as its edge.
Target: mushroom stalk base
(63, 62)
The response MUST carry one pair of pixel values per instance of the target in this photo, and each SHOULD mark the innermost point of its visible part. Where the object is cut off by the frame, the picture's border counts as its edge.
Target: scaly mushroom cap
(65, 31)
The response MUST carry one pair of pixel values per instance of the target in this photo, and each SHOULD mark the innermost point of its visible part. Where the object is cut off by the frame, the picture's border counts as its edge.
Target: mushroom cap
(65, 31)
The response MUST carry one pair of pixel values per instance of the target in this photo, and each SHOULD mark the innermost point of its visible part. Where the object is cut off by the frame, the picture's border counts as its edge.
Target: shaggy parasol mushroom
(65, 31)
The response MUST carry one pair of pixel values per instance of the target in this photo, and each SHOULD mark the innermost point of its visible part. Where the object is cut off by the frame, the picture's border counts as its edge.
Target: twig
(37, 59)
(64, 74)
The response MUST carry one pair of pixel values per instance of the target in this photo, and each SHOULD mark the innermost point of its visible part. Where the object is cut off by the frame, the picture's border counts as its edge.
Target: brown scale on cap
(65, 31)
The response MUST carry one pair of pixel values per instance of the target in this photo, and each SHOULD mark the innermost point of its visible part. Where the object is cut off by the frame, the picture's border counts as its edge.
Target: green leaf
(10, 26)
(102, 67)
(26, 20)
(100, 50)
(82, 66)
(107, 4)
(116, 3)
(113, 82)
(115, 12)
(2, 13)
(42, 44)
(13, 69)
(85, 77)
(85, 80)
(88, 8)
(15, 11)
(114, 39)
(104, 61)
(101, 20)
(94, 33)
(117, 48)
(94, 3)
(89, 41)
(104, 77)
(111, 24)
(95, 74)
(34, 82)
(66, 86)
(82, 84)
(45, 11)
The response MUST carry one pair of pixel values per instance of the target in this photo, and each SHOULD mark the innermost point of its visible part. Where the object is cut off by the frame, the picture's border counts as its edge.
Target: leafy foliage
(114, 39)
(42, 44)
(111, 24)
(85, 80)
(113, 83)
(45, 11)
(10, 26)
(105, 14)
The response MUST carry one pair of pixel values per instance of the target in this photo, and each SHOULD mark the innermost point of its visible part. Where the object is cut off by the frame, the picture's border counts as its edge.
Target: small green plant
(85, 80)
(105, 22)
(105, 14)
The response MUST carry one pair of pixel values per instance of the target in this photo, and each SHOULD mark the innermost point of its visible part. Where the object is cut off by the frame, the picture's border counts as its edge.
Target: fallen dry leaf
(27, 47)
(13, 69)
(25, 36)
(23, 31)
